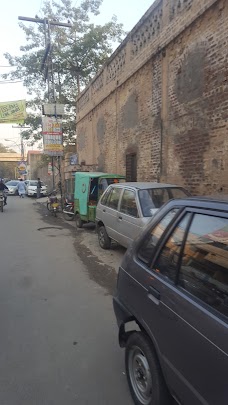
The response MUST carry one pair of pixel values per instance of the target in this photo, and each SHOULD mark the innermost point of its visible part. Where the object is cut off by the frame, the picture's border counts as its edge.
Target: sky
(12, 37)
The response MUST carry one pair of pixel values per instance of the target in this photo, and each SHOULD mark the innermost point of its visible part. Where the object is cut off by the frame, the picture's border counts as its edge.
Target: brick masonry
(164, 96)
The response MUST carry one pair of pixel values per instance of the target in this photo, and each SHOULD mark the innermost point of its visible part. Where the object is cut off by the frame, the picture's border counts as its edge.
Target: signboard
(22, 167)
(13, 112)
(74, 159)
(53, 109)
(52, 136)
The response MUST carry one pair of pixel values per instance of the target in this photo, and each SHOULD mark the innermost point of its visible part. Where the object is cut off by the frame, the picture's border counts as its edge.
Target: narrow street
(59, 338)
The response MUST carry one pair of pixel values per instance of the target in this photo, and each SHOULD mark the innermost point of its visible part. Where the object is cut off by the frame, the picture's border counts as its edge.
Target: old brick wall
(163, 95)
(196, 141)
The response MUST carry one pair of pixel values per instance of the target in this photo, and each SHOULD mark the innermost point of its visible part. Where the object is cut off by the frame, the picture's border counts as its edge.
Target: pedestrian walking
(38, 188)
(21, 188)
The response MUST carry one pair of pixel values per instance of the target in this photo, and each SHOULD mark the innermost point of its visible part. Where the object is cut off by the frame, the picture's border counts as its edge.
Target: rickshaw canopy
(82, 186)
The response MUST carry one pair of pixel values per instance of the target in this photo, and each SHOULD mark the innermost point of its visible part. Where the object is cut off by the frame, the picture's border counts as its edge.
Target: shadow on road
(101, 273)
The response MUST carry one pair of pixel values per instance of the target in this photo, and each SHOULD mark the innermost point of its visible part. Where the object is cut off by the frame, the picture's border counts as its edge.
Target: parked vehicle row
(31, 187)
(171, 301)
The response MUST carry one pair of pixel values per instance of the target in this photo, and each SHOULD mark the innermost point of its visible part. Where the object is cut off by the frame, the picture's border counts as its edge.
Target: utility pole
(47, 66)
(21, 139)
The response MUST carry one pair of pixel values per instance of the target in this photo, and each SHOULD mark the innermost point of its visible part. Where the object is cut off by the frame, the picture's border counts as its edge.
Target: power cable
(10, 81)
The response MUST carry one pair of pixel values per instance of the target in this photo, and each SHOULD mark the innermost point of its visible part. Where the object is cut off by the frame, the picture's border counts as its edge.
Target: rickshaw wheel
(78, 221)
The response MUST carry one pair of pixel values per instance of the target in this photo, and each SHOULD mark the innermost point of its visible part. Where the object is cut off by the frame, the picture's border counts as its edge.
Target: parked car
(124, 209)
(12, 186)
(31, 188)
(173, 284)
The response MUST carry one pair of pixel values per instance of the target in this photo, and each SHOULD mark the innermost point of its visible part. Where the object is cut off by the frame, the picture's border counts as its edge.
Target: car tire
(103, 238)
(144, 375)
(78, 221)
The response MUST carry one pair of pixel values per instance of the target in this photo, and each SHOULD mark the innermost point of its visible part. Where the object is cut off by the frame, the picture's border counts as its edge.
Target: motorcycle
(53, 204)
(68, 210)
(1, 200)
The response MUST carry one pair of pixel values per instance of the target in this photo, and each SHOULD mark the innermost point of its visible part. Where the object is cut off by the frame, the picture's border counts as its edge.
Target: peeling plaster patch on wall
(101, 128)
(130, 112)
(81, 140)
(101, 162)
(194, 144)
(190, 76)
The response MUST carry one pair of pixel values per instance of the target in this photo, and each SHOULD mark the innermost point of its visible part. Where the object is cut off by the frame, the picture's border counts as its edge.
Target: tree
(77, 55)
(7, 169)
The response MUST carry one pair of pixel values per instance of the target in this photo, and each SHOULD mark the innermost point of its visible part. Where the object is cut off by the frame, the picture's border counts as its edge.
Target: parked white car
(124, 209)
(31, 188)
(12, 187)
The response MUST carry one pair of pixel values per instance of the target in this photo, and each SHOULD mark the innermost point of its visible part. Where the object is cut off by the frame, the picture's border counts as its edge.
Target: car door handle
(120, 218)
(104, 210)
(154, 295)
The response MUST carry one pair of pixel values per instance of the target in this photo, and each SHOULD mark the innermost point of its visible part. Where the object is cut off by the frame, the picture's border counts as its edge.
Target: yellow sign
(53, 147)
(13, 112)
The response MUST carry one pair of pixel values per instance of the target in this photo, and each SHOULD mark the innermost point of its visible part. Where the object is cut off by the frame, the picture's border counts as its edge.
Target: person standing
(21, 188)
(38, 188)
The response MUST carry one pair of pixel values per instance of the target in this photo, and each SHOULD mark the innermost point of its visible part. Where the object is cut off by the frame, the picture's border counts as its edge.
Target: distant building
(33, 159)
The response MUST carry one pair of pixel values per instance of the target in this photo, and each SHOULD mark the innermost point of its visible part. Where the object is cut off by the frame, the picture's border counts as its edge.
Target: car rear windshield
(12, 183)
(154, 198)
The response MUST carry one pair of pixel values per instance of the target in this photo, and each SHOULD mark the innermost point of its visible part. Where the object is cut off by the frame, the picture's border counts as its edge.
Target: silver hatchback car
(124, 209)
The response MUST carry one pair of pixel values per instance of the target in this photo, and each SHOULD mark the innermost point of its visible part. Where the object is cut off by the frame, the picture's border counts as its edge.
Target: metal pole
(49, 71)
(60, 181)
(53, 172)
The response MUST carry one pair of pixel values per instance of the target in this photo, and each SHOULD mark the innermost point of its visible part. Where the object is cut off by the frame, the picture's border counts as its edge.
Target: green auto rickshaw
(89, 186)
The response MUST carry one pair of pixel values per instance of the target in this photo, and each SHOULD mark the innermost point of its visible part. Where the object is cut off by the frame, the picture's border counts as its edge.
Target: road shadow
(98, 271)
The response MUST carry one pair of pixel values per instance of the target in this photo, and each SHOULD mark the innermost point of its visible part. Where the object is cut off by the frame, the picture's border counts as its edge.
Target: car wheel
(79, 222)
(104, 240)
(143, 371)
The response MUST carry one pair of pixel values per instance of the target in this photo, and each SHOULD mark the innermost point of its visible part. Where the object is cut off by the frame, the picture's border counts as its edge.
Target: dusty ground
(88, 239)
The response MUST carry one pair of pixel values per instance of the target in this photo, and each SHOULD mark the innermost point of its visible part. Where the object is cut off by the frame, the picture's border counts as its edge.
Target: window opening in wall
(131, 167)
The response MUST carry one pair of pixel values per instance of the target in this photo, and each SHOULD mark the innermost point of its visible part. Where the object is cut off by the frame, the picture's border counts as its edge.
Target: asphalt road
(58, 334)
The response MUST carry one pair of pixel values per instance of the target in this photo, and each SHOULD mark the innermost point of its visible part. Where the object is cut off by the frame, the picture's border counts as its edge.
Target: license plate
(55, 205)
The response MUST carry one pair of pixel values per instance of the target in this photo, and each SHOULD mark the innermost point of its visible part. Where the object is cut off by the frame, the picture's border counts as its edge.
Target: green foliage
(78, 53)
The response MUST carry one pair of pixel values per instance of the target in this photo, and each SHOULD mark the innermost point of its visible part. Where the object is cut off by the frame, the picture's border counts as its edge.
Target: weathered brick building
(158, 109)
